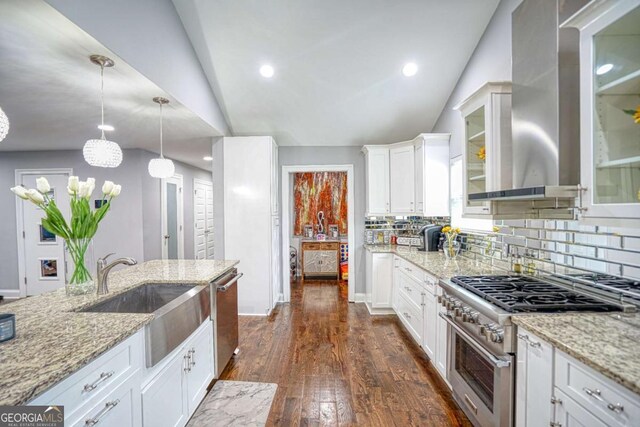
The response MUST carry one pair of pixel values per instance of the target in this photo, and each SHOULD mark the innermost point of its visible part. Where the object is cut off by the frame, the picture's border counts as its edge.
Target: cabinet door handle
(555, 400)
(193, 356)
(187, 362)
(103, 377)
(104, 411)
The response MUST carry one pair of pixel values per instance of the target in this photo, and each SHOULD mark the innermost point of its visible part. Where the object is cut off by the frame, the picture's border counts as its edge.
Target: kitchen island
(54, 340)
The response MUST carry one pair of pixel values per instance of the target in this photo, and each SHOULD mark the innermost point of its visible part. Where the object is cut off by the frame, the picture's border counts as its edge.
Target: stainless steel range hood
(545, 104)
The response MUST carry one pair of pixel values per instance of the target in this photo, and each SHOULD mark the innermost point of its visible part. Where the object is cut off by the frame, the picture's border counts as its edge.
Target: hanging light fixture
(161, 167)
(102, 152)
(4, 125)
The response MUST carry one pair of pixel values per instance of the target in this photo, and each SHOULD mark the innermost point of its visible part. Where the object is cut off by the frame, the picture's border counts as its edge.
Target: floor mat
(235, 403)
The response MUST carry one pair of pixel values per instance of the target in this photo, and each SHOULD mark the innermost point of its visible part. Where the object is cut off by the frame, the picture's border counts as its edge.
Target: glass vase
(82, 267)
(451, 249)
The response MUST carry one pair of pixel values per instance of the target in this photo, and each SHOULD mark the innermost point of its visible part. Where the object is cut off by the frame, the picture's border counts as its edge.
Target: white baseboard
(360, 297)
(379, 311)
(10, 293)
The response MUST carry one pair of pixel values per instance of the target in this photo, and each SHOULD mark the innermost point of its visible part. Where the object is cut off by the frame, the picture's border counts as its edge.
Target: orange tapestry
(320, 191)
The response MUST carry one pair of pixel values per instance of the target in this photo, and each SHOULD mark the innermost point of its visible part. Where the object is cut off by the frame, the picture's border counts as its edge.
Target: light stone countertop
(53, 340)
(436, 263)
(609, 343)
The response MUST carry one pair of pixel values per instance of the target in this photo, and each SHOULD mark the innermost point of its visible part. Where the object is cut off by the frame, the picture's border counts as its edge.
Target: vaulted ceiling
(337, 64)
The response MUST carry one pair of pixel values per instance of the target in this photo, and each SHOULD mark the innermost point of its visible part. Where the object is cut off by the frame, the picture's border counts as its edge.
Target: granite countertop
(608, 343)
(53, 340)
(436, 263)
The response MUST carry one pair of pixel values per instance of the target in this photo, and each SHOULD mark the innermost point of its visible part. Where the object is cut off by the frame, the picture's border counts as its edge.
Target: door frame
(22, 270)
(195, 242)
(179, 181)
(286, 235)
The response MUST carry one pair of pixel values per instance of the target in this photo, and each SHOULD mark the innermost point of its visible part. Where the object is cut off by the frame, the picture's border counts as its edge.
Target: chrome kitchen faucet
(104, 269)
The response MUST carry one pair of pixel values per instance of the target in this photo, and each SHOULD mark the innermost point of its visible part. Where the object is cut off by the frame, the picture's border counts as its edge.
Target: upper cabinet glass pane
(616, 151)
(476, 153)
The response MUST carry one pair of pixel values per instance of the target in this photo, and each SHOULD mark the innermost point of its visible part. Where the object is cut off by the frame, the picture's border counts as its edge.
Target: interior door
(44, 257)
(172, 218)
(203, 216)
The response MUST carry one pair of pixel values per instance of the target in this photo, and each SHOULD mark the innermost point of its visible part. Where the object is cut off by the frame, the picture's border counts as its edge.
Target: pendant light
(102, 152)
(161, 167)
(4, 125)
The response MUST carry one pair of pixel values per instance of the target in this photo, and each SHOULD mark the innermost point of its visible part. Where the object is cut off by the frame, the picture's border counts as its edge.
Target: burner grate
(521, 294)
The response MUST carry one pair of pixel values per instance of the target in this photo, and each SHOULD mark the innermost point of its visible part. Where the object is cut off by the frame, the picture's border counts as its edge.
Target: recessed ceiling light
(604, 69)
(267, 71)
(106, 128)
(410, 69)
(207, 158)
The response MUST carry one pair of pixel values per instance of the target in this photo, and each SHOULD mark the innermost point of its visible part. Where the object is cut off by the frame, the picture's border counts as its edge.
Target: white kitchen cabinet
(534, 381)
(250, 198)
(377, 180)
(379, 282)
(178, 386)
(486, 121)
(432, 174)
(570, 414)
(402, 179)
(120, 408)
(442, 340)
(430, 325)
(101, 380)
(609, 85)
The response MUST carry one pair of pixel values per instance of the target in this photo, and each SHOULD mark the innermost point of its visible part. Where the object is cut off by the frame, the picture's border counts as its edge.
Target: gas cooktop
(522, 294)
(620, 283)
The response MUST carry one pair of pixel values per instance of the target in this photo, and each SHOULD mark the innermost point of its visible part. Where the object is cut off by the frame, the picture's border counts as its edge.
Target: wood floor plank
(337, 365)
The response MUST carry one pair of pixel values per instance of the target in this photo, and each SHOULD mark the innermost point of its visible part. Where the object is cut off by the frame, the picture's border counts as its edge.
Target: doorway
(288, 173)
(203, 217)
(41, 254)
(172, 218)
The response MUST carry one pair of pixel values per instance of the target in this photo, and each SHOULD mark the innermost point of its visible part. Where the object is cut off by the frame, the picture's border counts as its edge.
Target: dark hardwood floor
(336, 365)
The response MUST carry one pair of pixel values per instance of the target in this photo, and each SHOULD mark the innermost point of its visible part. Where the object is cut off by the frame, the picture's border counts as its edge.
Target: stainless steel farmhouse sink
(178, 310)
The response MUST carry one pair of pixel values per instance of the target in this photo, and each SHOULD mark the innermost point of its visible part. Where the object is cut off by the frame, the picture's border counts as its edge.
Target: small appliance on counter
(431, 237)
(7, 326)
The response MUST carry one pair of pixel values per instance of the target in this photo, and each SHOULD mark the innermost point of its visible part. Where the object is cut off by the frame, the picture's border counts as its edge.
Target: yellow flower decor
(451, 234)
(482, 153)
(635, 113)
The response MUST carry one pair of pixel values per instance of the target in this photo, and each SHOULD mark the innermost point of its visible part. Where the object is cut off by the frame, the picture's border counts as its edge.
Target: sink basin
(143, 299)
(178, 310)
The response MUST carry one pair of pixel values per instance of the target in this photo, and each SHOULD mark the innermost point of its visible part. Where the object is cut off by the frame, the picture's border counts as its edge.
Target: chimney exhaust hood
(545, 105)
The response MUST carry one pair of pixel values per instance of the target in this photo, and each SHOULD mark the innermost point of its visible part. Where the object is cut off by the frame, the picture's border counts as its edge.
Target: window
(456, 197)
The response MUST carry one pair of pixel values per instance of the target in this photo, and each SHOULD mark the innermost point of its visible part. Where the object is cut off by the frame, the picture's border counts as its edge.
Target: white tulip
(83, 189)
(20, 191)
(35, 196)
(116, 190)
(107, 187)
(92, 186)
(74, 184)
(43, 185)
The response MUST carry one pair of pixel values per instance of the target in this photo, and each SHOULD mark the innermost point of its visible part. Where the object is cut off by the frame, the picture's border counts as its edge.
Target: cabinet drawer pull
(534, 344)
(103, 377)
(596, 394)
(187, 362)
(104, 411)
(554, 424)
(407, 315)
(408, 289)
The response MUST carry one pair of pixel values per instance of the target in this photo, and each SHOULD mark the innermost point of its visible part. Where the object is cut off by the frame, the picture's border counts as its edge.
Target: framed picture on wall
(48, 268)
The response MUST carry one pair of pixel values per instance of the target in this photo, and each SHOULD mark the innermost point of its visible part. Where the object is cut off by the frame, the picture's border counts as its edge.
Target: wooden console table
(320, 259)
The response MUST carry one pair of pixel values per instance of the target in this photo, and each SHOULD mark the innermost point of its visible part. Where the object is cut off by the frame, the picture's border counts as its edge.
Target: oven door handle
(499, 363)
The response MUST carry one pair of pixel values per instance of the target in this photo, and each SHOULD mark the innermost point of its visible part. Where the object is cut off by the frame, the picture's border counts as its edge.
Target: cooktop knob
(497, 336)
(474, 317)
(457, 311)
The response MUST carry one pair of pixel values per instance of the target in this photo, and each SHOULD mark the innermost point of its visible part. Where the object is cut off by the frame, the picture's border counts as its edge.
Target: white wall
(131, 228)
(149, 36)
(336, 156)
(491, 61)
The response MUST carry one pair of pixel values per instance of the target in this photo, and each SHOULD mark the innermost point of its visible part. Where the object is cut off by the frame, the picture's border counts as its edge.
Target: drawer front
(410, 289)
(411, 318)
(97, 378)
(330, 246)
(119, 408)
(308, 246)
(610, 402)
(413, 271)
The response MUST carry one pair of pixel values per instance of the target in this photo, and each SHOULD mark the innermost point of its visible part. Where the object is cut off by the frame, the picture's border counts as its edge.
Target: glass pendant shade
(102, 153)
(161, 168)
(4, 125)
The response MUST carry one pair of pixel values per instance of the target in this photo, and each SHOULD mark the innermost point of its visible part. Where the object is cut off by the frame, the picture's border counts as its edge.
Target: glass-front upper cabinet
(610, 110)
(486, 145)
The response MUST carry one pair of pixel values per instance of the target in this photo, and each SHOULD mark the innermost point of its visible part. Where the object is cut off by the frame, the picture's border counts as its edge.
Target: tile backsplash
(564, 247)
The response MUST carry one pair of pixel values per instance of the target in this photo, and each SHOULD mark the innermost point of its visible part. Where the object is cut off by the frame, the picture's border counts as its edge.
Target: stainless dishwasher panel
(224, 301)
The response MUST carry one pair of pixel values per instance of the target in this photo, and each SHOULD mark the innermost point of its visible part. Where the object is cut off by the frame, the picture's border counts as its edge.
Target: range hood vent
(545, 115)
